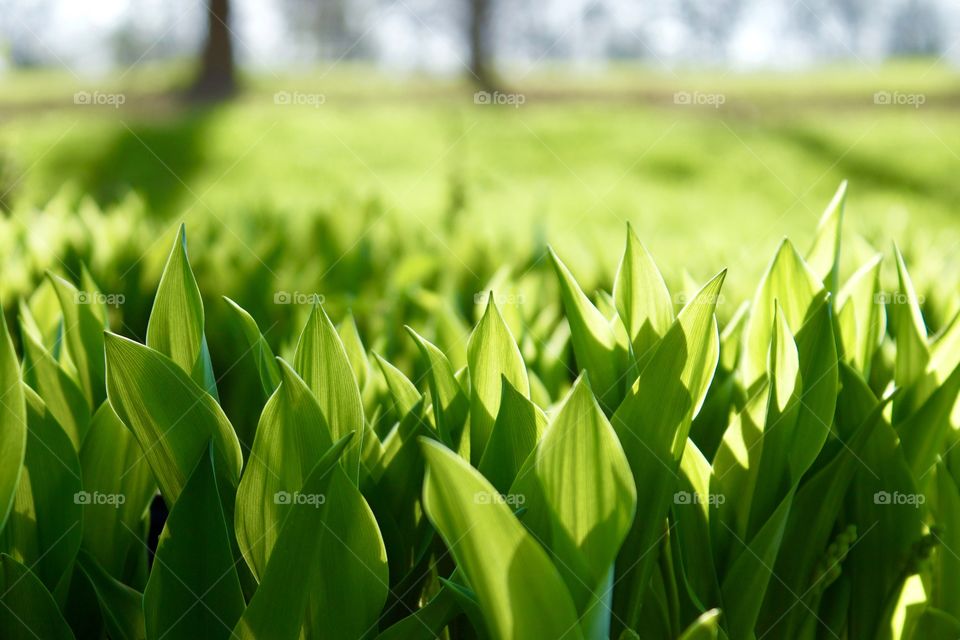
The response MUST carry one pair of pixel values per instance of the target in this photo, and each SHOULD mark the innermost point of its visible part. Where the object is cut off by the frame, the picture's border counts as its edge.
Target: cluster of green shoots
(607, 466)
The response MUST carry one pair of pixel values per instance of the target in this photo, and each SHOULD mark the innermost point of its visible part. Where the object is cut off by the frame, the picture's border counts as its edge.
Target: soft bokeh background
(373, 149)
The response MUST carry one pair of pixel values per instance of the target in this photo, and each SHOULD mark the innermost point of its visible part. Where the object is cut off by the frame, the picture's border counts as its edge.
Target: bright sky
(426, 34)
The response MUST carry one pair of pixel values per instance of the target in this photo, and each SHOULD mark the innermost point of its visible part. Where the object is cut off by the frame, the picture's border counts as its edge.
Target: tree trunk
(216, 79)
(481, 66)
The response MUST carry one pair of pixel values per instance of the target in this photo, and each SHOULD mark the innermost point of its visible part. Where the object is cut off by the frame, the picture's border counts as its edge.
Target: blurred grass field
(705, 187)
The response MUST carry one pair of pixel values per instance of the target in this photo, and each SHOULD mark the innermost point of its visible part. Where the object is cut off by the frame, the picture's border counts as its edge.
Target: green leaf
(580, 502)
(924, 433)
(789, 282)
(59, 390)
(45, 526)
(98, 307)
(259, 348)
(596, 345)
(405, 394)
(804, 383)
(353, 345)
(83, 329)
(186, 597)
(735, 469)
(516, 432)
(492, 354)
(910, 334)
(642, 298)
(513, 578)
(120, 606)
(706, 627)
(28, 610)
(653, 424)
(42, 317)
(291, 436)
(175, 328)
(945, 351)
(322, 362)
(934, 624)
(692, 512)
(895, 526)
(172, 418)
(427, 622)
(450, 403)
(278, 609)
(947, 565)
(395, 495)
(745, 583)
(824, 255)
(113, 464)
(13, 423)
(862, 316)
(791, 600)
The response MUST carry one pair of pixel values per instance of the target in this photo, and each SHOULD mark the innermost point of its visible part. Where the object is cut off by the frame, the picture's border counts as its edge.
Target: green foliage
(578, 465)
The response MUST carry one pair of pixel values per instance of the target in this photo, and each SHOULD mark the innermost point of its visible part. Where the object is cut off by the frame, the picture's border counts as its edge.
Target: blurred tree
(327, 29)
(481, 58)
(917, 30)
(217, 77)
(711, 25)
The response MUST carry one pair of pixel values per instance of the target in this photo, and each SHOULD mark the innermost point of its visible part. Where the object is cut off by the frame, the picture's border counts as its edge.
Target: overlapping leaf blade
(653, 423)
(580, 502)
(789, 282)
(321, 360)
(172, 418)
(642, 298)
(492, 356)
(596, 345)
(513, 578)
(113, 465)
(291, 438)
(83, 331)
(27, 610)
(176, 320)
(278, 609)
(516, 432)
(194, 589)
(46, 524)
(13, 423)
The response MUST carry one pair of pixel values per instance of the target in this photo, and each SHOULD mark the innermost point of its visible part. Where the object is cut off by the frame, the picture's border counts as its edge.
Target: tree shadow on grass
(154, 158)
(867, 171)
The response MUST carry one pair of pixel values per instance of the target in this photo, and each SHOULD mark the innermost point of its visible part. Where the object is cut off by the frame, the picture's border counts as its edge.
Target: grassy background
(705, 187)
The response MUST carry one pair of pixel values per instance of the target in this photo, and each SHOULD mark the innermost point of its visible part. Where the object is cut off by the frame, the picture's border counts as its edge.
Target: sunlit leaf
(172, 418)
(596, 345)
(13, 423)
(176, 320)
(789, 282)
(642, 298)
(824, 256)
(581, 502)
(653, 424)
(322, 362)
(83, 330)
(513, 578)
(492, 355)
(279, 607)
